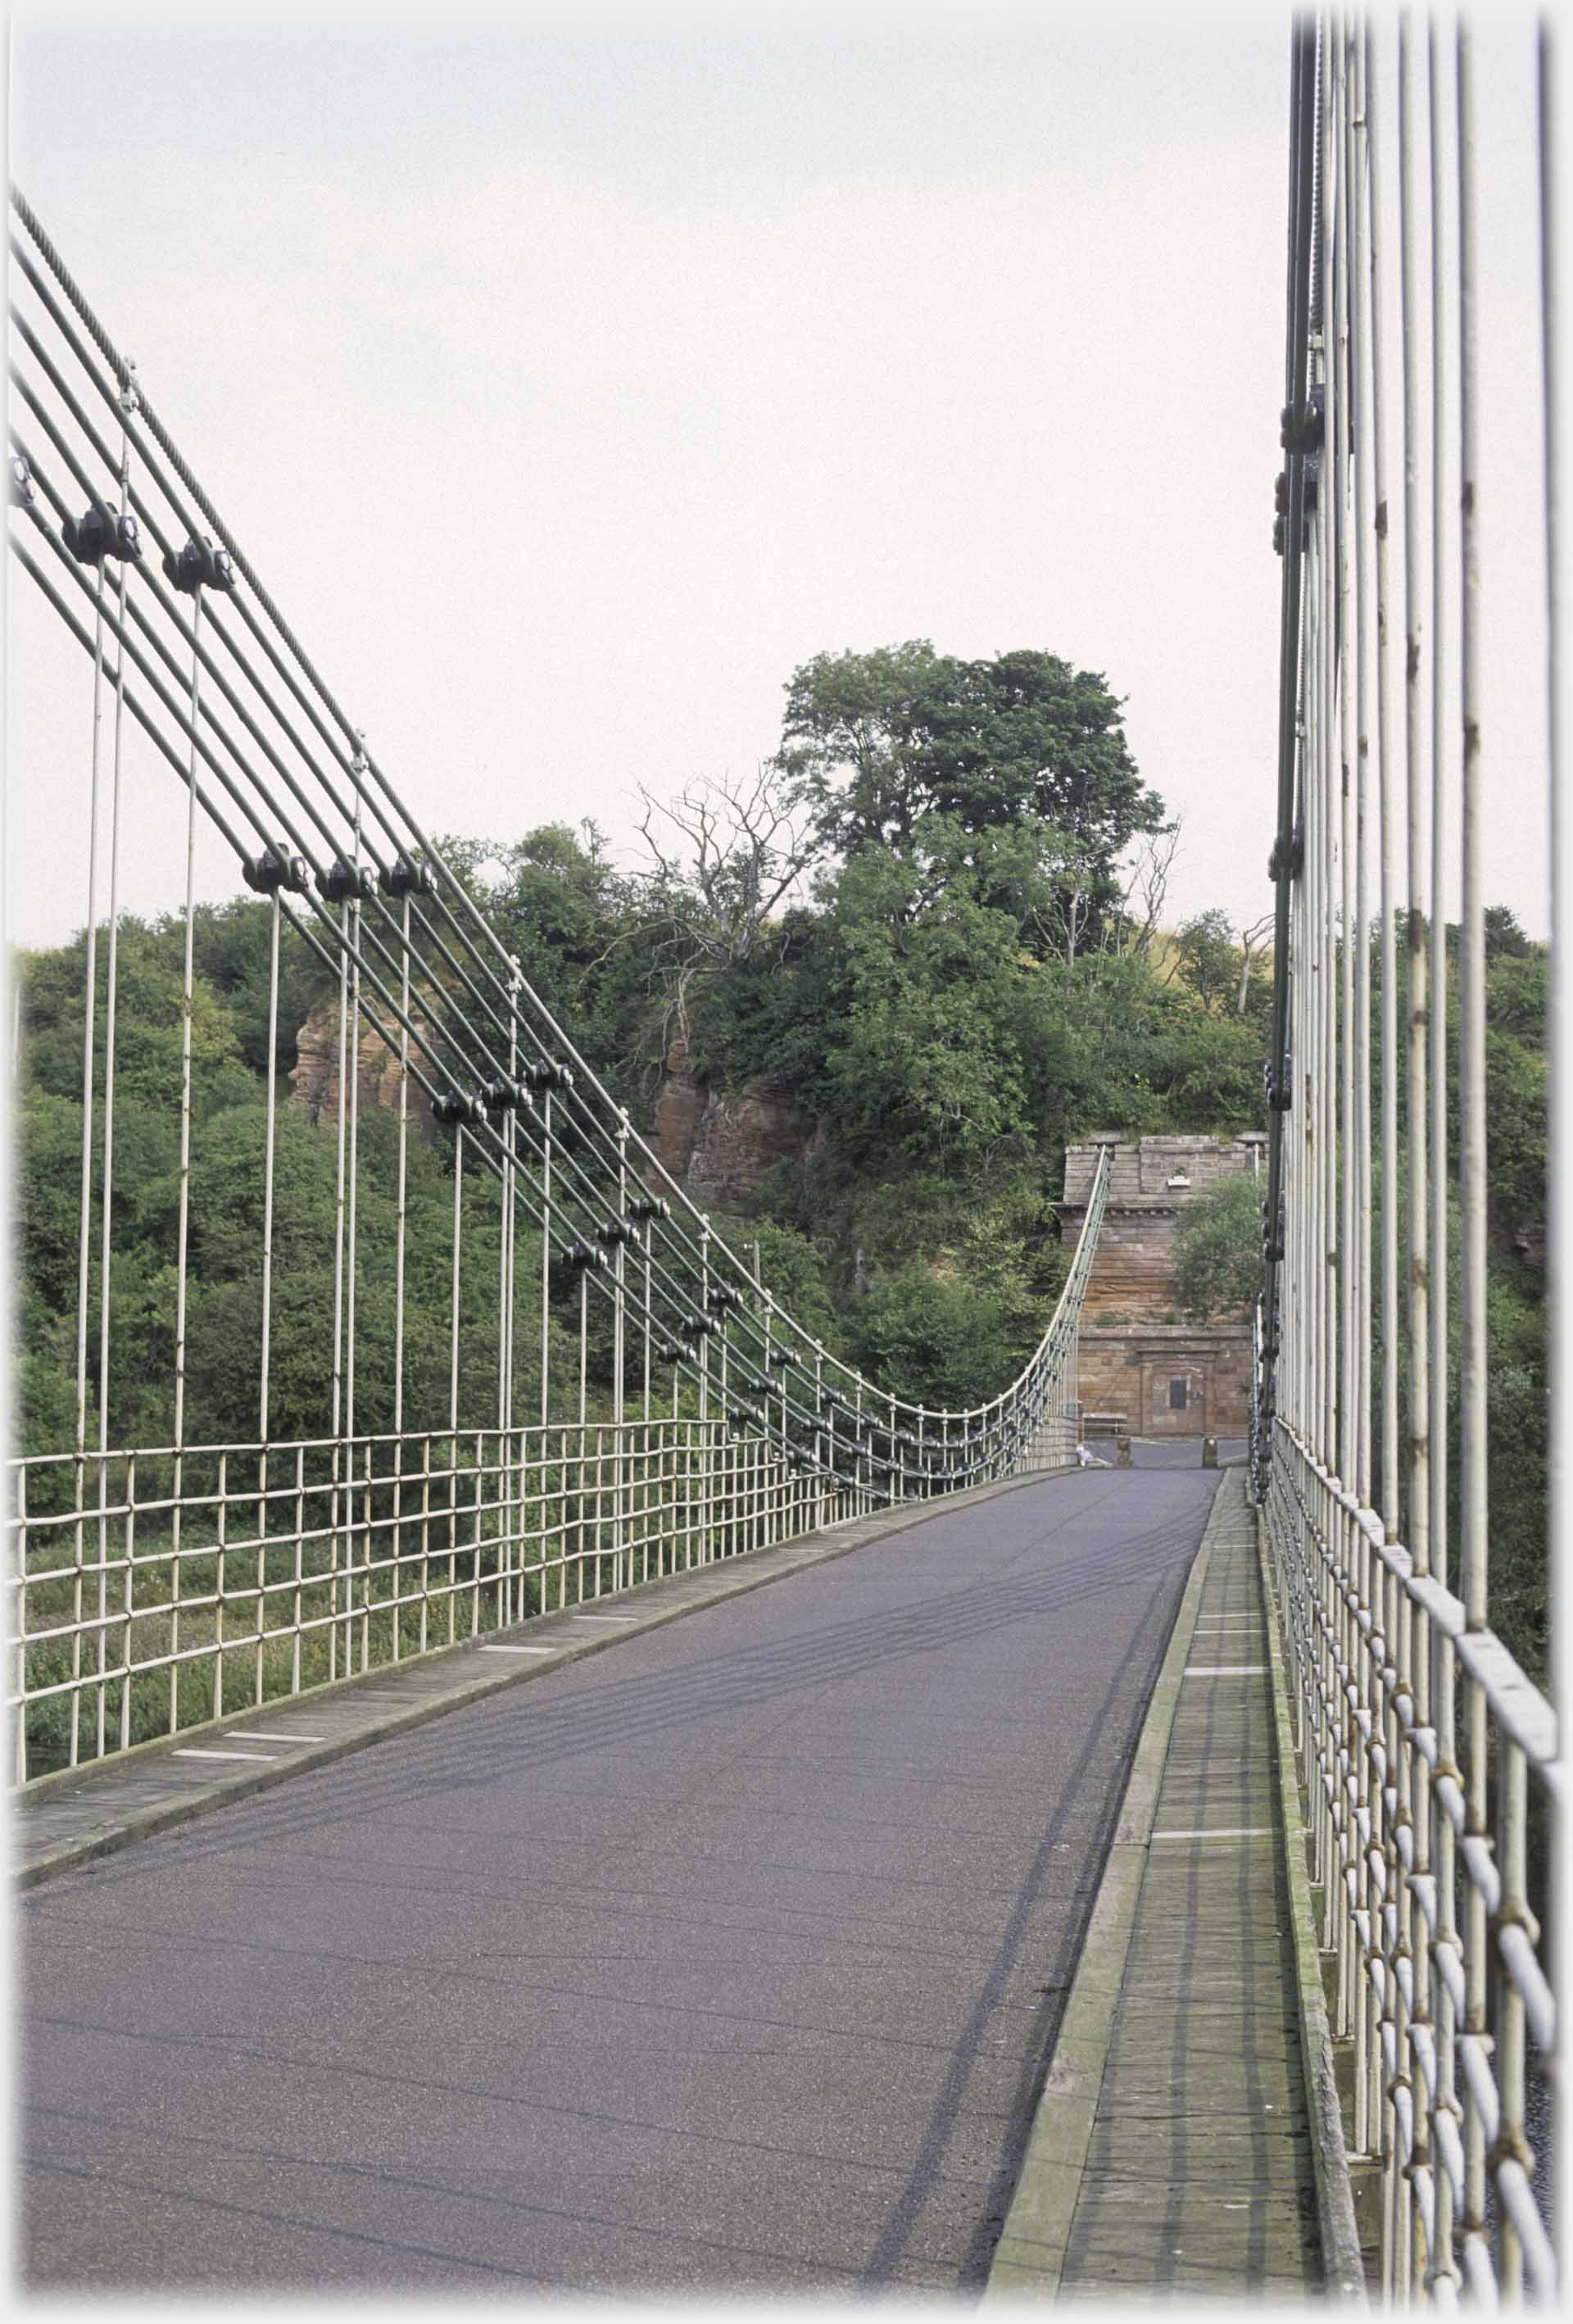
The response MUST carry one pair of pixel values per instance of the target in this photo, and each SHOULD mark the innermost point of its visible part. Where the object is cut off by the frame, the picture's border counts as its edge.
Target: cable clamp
(405, 877)
(103, 531)
(1304, 433)
(452, 1106)
(275, 869)
(199, 566)
(23, 492)
(343, 882)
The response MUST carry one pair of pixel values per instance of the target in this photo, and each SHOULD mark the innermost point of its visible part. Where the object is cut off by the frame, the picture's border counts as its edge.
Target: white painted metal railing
(1427, 1755)
(154, 1584)
(162, 1587)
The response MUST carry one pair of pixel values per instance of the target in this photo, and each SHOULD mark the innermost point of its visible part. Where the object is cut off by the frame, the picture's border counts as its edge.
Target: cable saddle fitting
(1303, 434)
(102, 532)
(404, 877)
(343, 882)
(452, 1107)
(199, 566)
(1287, 859)
(275, 869)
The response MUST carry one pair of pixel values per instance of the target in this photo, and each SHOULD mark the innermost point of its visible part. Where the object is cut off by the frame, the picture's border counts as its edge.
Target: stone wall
(1140, 1358)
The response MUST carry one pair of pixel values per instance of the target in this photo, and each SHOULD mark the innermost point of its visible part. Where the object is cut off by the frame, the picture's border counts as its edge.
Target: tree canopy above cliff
(878, 741)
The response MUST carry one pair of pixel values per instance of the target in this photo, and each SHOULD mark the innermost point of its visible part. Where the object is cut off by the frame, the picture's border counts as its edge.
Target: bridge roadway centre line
(723, 1958)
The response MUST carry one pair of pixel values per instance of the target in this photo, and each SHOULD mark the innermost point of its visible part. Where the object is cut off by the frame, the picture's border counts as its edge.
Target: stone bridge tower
(1141, 1359)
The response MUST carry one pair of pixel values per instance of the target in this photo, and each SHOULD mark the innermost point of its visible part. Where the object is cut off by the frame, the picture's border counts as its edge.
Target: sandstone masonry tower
(1140, 1359)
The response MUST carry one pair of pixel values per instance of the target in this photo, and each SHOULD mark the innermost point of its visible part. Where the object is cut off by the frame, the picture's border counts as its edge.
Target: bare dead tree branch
(1147, 886)
(723, 857)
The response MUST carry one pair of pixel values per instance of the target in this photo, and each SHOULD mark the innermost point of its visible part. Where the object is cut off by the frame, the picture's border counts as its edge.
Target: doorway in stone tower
(1174, 1396)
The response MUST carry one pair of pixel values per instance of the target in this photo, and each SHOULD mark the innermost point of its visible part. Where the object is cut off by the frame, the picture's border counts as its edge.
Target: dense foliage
(935, 955)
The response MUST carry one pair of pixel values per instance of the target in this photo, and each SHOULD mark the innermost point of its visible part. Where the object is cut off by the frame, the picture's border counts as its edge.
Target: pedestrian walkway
(1173, 2152)
(723, 1958)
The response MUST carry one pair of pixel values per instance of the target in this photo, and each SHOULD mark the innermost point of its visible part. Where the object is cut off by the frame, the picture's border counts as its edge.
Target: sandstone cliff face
(315, 1073)
(720, 1149)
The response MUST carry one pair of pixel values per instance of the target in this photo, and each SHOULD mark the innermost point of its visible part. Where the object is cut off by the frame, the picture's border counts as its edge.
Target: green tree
(879, 741)
(1217, 1248)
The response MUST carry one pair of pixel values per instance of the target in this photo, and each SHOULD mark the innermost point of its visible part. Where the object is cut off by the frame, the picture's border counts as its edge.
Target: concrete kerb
(1030, 2255)
(1342, 2267)
(727, 1578)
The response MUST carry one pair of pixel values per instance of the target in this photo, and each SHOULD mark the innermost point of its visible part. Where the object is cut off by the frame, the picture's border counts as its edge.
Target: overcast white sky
(571, 377)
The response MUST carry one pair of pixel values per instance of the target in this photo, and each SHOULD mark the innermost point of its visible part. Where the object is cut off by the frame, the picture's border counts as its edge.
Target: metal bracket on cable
(276, 868)
(198, 566)
(1279, 1088)
(1287, 860)
(452, 1106)
(1303, 434)
(23, 492)
(342, 882)
(405, 877)
(103, 532)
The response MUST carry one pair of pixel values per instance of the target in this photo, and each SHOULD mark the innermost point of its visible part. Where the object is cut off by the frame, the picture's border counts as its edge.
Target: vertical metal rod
(85, 1223)
(107, 1185)
(1562, 1017)
(183, 1225)
(1412, 1659)
(1438, 1268)
(1473, 1545)
(1388, 889)
(339, 1456)
(352, 1256)
(1359, 340)
(454, 1299)
(1418, 772)
(264, 1368)
(545, 1266)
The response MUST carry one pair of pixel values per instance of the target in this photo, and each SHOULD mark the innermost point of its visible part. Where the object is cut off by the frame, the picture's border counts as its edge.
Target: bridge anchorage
(303, 1548)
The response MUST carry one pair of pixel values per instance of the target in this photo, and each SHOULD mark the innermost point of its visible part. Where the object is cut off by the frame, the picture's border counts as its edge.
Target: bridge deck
(728, 1959)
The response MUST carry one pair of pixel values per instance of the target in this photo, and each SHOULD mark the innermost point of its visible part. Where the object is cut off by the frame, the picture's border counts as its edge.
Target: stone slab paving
(725, 1957)
(1199, 2180)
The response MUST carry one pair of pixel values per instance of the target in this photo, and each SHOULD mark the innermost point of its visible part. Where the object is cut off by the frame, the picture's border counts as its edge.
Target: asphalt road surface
(725, 1960)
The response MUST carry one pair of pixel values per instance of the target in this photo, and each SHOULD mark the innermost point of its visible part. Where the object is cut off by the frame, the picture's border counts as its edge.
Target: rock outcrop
(721, 1149)
(314, 1073)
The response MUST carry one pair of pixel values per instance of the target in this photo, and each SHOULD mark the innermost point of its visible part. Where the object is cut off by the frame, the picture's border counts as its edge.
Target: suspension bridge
(663, 1812)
